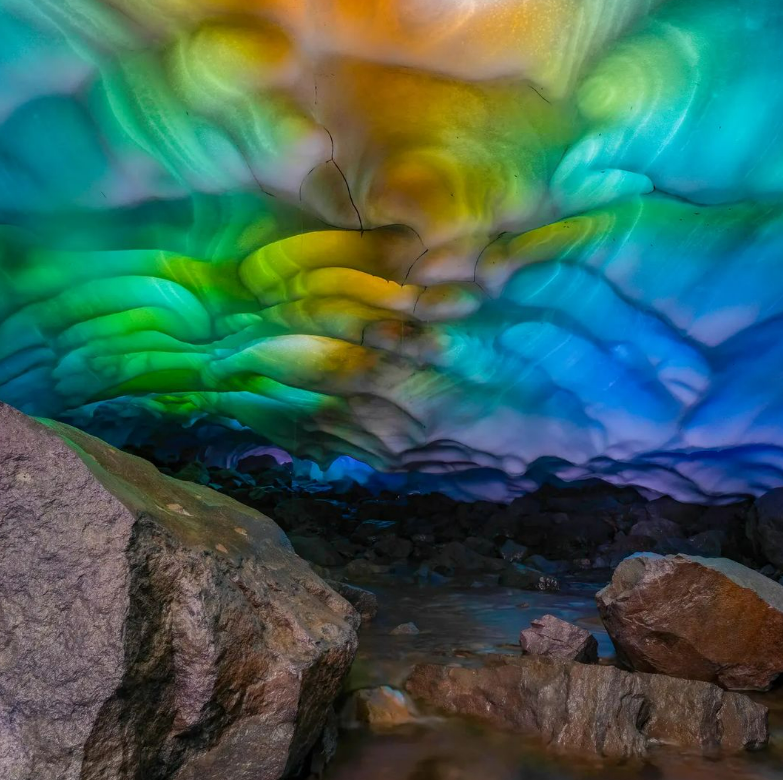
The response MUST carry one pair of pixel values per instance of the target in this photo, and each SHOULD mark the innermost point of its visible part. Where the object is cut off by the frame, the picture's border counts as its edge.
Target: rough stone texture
(657, 528)
(546, 566)
(383, 707)
(517, 575)
(765, 526)
(549, 636)
(316, 550)
(596, 709)
(151, 628)
(393, 548)
(709, 544)
(666, 507)
(365, 602)
(361, 570)
(458, 558)
(699, 618)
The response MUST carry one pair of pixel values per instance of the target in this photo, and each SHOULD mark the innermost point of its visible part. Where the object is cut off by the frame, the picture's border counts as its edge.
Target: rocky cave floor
(437, 579)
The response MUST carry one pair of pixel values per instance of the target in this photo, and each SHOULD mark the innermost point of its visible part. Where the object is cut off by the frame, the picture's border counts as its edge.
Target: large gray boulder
(708, 619)
(764, 526)
(576, 707)
(151, 627)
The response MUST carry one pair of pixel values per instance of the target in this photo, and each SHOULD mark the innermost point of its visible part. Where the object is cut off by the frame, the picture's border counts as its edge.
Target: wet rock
(424, 574)
(765, 526)
(363, 601)
(656, 528)
(575, 535)
(730, 519)
(322, 571)
(361, 570)
(524, 506)
(546, 566)
(266, 498)
(325, 748)
(501, 525)
(708, 544)
(384, 707)
(482, 546)
(456, 557)
(517, 575)
(554, 638)
(382, 509)
(622, 547)
(312, 513)
(546, 531)
(598, 709)
(698, 618)
(194, 472)
(345, 548)
(675, 545)
(511, 551)
(684, 515)
(405, 629)
(577, 504)
(316, 550)
(393, 548)
(564, 536)
(230, 478)
(369, 531)
(151, 626)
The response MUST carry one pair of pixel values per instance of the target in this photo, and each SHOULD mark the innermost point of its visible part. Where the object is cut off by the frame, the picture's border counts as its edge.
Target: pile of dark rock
(580, 531)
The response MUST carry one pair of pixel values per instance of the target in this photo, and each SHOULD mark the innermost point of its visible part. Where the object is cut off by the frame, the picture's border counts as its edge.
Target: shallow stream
(474, 620)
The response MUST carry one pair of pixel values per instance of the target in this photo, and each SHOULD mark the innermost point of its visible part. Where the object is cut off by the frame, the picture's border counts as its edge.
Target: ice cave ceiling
(480, 239)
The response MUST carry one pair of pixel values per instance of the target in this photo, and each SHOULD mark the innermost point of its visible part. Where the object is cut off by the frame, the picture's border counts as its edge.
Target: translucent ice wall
(476, 238)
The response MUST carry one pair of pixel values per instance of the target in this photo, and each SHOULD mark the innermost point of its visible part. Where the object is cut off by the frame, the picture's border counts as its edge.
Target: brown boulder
(151, 627)
(705, 619)
(364, 602)
(549, 636)
(383, 707)
(596, 709)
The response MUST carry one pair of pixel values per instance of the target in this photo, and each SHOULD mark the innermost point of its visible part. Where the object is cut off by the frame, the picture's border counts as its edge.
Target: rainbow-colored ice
(476, 238)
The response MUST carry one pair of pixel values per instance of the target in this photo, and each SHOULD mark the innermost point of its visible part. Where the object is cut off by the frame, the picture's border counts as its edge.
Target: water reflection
(477, 620)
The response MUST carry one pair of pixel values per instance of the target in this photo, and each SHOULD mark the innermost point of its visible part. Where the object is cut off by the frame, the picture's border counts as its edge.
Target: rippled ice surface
(455, 622)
